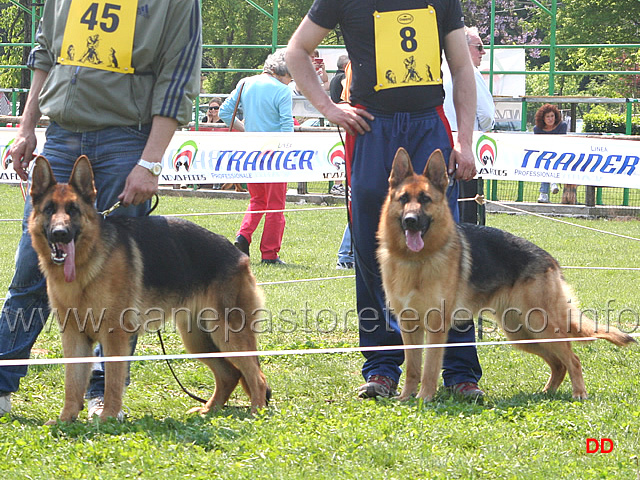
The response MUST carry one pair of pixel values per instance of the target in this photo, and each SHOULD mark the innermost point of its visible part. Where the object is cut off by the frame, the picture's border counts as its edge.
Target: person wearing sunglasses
(214, 109)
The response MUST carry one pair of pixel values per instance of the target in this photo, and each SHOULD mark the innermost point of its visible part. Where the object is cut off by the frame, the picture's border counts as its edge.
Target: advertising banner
(223, 157)
(580, 160)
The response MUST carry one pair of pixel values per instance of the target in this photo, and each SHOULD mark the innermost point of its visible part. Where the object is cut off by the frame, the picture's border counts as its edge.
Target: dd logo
(603, 445)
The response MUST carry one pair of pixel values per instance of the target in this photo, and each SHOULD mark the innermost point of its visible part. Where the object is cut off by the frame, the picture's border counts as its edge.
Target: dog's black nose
(60, 235)
(410, 222)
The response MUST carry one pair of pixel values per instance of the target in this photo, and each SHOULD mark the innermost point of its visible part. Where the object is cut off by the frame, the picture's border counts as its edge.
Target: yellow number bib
(99, 34)
(407, 48)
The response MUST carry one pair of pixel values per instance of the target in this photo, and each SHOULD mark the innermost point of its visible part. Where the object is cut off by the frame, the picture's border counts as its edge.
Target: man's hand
(21, 152)
(462, 165)
(352, 119)
(140, 186)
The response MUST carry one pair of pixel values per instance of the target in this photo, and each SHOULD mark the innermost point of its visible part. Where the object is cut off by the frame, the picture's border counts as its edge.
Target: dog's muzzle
(63, 251)
(415, 226)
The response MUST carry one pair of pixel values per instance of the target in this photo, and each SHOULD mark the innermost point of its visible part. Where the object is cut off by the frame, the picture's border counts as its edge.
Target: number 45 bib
(407, 48)
(99, 34)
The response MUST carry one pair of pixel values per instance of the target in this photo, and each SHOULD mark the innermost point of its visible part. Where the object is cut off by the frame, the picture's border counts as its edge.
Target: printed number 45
(90, 17)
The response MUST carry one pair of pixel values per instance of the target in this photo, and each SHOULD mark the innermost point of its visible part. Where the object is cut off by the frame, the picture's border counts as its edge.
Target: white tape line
(591, 229)
(271, 353)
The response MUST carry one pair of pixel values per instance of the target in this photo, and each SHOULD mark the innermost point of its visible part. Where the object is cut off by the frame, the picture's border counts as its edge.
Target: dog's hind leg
(76, 375)
(571, 362)
(558, 369)
(226, 375)
(558, 355)
(241, 337)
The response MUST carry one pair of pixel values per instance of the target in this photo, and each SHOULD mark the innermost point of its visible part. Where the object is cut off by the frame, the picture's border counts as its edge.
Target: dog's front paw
(199, 410)
(61, 419)
(580, 396)
(425, 395)
(407, 394)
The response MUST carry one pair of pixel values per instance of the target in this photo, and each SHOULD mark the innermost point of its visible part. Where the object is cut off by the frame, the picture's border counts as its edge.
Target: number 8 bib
(407, 48)
(100, 35)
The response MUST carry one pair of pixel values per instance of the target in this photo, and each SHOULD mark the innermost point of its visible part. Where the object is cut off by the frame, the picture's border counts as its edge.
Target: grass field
(315, 428)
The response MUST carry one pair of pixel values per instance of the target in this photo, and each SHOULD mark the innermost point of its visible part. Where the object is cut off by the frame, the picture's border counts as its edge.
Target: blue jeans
(544, 187)
(420, 134)
(345, 255)
(113, 153)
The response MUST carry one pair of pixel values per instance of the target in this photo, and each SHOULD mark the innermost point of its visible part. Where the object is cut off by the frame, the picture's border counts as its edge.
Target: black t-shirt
(335, 87)
(356, 20)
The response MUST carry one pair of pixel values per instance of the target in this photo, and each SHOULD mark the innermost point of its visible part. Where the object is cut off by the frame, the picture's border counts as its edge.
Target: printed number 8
(408, 35)
(90, 17)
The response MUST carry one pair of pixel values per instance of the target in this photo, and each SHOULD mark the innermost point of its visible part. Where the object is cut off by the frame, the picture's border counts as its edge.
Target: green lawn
(315, 428)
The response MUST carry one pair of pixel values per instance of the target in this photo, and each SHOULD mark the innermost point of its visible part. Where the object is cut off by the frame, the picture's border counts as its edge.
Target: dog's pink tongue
(414, 240)
(69, 261)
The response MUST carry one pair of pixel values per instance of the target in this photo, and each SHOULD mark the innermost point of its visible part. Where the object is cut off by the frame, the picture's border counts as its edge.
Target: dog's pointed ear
(42, 178)
(82, 179)
(401, 168)
(436, 171)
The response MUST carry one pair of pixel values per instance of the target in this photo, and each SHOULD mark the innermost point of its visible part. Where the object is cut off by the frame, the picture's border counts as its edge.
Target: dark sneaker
(273, 261)
(242, 244)
(378, 386)
(337, 189)
(467, 390)
(345, 266)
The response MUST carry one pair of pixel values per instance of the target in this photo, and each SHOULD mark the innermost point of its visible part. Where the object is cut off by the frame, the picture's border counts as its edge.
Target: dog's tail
(583, 326)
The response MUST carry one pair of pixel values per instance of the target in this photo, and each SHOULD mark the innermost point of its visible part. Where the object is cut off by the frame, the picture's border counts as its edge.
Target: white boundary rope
(563, 221)
(271, 353)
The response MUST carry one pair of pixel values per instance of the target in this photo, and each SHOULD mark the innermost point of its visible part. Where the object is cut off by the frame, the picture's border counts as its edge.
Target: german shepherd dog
(132, 272)
(434, 271)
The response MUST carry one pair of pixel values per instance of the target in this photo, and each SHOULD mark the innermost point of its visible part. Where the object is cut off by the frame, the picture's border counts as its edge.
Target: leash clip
(108, 212)
(479, 199)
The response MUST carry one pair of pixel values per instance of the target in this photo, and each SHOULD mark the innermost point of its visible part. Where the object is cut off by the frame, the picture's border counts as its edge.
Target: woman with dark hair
(548, 121)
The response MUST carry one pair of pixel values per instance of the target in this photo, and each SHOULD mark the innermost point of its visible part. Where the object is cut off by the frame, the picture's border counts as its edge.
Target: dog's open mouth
(65, 253)
(415, 243)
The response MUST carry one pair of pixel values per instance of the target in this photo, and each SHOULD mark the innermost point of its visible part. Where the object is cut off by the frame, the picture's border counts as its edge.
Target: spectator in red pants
(264, 196)
(267, 105)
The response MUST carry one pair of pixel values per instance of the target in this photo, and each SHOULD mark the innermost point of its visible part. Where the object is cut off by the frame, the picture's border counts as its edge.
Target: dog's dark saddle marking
(500, 259)
(178, 256)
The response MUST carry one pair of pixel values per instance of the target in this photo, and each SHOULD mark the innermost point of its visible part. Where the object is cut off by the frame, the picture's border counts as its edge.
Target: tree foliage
(512, 26)
(12, 23)
(236, 22)
(594, 22)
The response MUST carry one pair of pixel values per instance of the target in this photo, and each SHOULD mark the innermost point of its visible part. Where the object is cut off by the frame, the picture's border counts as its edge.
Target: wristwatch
(154, 167)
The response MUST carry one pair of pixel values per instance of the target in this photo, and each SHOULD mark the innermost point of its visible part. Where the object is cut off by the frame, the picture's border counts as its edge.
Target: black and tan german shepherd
(434, 271)
(131, 273)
